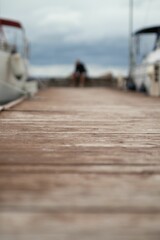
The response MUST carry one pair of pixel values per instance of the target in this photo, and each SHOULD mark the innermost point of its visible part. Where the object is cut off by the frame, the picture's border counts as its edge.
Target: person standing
(79, 75)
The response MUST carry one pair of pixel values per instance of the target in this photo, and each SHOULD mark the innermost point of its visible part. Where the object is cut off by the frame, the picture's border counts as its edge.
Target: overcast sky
(95, 31)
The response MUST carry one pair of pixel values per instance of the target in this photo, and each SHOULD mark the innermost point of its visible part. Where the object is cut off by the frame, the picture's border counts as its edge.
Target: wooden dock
(80, 164)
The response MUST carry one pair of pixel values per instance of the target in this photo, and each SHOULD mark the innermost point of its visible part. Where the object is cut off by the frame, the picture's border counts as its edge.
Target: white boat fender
(17, 65)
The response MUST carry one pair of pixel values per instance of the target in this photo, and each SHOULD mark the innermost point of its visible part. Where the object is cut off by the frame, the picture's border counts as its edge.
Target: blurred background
(95, 31)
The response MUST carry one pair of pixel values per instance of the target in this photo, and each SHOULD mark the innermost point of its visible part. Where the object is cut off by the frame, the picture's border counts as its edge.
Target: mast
(131, 6)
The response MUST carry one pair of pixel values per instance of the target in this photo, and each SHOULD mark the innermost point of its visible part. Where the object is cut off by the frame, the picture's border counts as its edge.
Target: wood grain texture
(81, 164)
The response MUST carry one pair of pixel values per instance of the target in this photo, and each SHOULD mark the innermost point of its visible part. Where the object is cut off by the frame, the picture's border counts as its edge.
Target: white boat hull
(8, 94)
(147, 74)
(10, 86)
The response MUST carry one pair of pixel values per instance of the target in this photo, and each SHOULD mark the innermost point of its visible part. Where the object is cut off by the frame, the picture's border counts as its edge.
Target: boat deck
(80, 164)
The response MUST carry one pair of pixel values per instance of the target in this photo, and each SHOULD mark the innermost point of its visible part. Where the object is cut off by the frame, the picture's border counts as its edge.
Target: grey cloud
(105, 52)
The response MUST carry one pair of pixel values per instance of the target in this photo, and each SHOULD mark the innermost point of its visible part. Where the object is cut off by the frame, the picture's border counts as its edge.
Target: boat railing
(4, 46)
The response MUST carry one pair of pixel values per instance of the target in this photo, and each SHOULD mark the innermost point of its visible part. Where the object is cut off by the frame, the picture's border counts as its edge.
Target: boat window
(14, 39)
(144, 44)
(157, 45)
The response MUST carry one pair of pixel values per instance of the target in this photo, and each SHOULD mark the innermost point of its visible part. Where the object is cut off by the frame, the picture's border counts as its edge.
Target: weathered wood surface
(81, 164)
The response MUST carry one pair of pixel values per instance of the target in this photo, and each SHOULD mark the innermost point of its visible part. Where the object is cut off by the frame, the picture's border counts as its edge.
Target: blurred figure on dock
(79, 75)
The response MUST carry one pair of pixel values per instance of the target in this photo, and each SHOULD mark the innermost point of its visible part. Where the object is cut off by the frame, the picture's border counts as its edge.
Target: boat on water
(145, 67)
(14, 53)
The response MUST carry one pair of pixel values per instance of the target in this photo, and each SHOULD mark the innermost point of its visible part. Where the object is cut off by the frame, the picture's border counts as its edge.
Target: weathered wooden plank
(81, 164)
(48, 192)
(39, 226)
